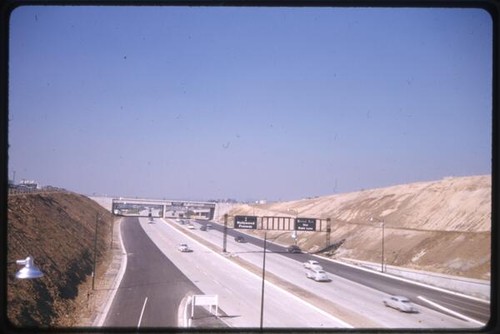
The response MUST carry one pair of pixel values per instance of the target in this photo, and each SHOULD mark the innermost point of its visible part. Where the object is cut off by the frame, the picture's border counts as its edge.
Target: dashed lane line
(447, 310)
(142, 312)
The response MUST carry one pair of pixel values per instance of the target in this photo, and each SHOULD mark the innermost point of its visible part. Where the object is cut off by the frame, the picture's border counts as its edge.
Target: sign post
(205, 300)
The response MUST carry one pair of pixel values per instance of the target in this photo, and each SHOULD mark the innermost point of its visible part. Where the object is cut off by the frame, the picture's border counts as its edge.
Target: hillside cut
(440, 226)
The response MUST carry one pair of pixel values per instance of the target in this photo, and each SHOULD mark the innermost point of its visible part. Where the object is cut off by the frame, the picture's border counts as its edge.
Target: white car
(318, 275)
(400, 303)
(312, 264)
(184, 248)
(191, 227)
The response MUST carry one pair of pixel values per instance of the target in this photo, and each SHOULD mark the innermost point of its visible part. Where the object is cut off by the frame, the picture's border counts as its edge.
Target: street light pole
(112, 229)
(95, 250)
(383, 237)
(263, 281)
(328, 231)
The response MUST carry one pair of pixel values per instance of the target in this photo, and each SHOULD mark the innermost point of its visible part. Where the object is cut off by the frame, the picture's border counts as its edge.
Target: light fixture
(29, 270)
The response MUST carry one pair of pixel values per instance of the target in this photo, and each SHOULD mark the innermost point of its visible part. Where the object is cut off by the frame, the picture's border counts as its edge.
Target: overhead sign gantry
(276, 223)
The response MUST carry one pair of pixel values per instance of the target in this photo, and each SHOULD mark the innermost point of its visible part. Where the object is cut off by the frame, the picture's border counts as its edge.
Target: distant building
(24, 186)
(28, 184)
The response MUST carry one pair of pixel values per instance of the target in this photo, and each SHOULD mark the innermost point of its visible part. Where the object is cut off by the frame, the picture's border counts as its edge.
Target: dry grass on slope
(58, 230)
(442, 226)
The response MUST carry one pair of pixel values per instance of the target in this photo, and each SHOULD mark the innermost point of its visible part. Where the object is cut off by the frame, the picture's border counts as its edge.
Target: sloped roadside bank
(58, 230)
(476, 288)
(439, 226)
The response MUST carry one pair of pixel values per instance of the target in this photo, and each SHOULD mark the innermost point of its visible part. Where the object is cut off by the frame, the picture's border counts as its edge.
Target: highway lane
(382, 283)
(470, 307)
(152, 288)
(239, 290)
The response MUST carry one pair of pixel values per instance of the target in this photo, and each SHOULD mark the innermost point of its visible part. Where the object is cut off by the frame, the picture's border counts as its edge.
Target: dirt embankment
(442, 226)
(58, 230)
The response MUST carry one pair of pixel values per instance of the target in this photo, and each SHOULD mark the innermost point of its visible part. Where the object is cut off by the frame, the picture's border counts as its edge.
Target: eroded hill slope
(58, 230)
(442, 226)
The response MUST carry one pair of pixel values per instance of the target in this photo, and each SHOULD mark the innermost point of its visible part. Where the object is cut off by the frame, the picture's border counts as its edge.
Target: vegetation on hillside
(58, 230)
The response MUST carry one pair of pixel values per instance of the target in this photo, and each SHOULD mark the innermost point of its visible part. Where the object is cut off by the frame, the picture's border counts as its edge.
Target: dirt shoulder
(93, 303)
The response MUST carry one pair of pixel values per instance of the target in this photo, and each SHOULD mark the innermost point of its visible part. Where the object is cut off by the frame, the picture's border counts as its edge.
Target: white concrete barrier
(467, 286)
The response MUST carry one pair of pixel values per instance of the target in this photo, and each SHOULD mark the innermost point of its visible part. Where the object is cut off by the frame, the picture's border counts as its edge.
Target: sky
(247, 103)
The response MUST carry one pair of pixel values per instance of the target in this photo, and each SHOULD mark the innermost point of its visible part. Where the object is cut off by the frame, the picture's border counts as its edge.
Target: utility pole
(263, 281)
(112, 228)
(95, 250)
(224, 240)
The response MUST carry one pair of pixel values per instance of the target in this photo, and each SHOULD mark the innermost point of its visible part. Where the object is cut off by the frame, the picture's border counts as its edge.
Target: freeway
(159, 279)
(464, 311)
(151, 289)
(239, 291)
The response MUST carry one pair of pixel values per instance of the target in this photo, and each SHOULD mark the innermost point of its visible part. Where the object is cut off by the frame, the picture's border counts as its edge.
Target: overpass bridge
(163, 208)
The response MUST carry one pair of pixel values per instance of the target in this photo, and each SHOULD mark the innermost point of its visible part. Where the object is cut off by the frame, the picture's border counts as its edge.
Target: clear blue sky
(247, 103)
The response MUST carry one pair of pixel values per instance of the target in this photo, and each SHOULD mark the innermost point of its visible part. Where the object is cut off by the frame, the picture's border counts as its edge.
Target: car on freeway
(294, 249)
(318, 275)
(191, 226)
(312, 264)
(239, 238)
(400, 303)
(184, 248)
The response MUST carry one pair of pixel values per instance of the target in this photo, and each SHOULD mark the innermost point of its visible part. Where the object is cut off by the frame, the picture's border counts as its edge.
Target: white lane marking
(338, 320)
(405, 280)
(142, 312)
(461, 316)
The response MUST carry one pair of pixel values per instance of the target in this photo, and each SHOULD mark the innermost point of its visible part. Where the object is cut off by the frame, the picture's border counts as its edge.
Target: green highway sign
(305, 224)
(245, 222)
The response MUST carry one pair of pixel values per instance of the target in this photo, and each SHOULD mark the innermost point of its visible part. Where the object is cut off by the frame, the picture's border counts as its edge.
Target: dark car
(203, 228)
(239, 238)
(294, 249)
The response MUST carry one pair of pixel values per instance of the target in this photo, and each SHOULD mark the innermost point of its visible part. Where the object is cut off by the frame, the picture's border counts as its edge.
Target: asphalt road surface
(239, 291)
(476, 310)
(357, 305)
(152, 288)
